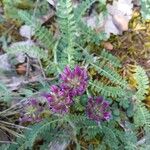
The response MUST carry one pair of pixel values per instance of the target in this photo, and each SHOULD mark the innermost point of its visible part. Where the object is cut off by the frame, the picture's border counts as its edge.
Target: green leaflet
(142, 82)
(142, 115)
(67, 27)
(145, 9)
(32, 51)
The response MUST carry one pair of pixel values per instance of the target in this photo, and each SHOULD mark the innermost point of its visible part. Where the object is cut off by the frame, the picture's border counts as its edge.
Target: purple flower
(31, 112)
(98, 109)
(59, 100)
(74, 81)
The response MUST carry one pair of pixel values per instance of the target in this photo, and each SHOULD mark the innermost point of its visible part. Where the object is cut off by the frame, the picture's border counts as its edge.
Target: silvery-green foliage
(145, 9)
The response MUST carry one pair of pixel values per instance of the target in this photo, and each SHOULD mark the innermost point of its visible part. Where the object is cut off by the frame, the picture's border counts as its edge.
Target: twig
(11, 131)
(8, 142)
(37, 80)
(14, 125)
(28, 66)
(42, 70)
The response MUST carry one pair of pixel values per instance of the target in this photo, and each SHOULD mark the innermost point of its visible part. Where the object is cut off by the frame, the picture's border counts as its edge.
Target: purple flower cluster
(98, 109)
(73, 83)
(31, 112)
(59, 100)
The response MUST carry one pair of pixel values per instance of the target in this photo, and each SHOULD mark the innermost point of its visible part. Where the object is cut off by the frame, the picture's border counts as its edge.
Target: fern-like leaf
(81, 9)
(44, 36)
(142, 116)
(67, 26)
(41, 33)
(4, 92)
(112, 75)
(106, 90)
(110, 138)
(89, 35)
(26, 17)
(45, 130)
(111, 59)
(142, 83)
(32, 51)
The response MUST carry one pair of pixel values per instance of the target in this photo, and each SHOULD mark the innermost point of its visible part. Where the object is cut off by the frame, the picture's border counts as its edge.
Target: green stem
(69, 57)
(74, 133)
(55, 52)
(55, 56)
(87, 92)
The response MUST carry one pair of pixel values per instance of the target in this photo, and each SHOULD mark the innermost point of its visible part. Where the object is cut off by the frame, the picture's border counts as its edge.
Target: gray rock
(4, 63)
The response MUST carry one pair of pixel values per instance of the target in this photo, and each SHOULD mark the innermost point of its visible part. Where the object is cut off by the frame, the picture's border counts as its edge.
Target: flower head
(59, 100)
(98, 109)
(75, 81)
(31, 111)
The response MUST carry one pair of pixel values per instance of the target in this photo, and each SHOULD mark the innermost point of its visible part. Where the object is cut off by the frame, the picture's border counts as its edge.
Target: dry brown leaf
(21, 69)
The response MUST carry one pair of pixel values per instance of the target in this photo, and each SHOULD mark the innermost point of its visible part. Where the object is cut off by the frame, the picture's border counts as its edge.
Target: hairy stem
(74, 133)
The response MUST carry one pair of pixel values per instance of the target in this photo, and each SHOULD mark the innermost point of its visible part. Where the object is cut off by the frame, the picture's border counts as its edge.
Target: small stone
(4, 62)
(108, 46)
(120, 22)
(26, 31)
